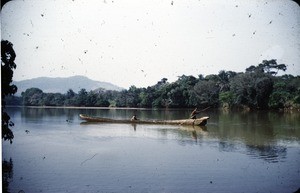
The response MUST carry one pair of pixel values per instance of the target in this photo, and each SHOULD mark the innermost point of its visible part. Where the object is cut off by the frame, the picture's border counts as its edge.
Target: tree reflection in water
(260, 150)
(263, 149)
(7, 174)
(267, 152)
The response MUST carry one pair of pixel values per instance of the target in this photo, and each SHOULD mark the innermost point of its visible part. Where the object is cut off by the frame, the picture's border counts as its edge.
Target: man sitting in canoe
(194, 113)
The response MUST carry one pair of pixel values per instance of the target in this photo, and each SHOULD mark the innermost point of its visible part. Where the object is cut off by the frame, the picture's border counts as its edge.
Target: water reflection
(71, 114)
(131, 154)
(268, 153)
(30, 114)
(193, 134)
(7, 174)
(134, 126)
(260, 132)
(258, 145)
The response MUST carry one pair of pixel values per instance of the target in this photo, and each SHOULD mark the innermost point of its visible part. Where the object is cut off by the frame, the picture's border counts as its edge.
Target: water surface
(235, 152)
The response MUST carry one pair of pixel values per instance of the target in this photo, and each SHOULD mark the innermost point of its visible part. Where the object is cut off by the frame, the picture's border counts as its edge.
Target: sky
(139, 42)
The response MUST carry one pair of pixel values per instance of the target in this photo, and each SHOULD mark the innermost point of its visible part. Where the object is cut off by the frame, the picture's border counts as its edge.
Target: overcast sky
(139, 42)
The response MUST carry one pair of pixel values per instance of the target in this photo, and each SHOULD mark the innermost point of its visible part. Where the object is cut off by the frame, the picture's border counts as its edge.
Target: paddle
(204, 109)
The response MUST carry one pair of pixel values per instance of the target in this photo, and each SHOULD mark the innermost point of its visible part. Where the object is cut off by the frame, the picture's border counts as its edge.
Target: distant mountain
(62, 85)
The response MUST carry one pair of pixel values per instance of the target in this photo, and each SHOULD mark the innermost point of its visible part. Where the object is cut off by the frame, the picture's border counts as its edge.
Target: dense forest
(258, 87)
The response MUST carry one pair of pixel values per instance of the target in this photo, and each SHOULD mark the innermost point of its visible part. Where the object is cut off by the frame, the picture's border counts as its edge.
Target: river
(53, 151)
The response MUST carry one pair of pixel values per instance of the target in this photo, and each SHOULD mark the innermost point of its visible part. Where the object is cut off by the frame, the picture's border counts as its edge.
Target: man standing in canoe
(134, 118)
(194, 113)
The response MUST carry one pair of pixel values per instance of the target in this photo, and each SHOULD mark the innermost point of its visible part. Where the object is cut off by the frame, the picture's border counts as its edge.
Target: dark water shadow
(7, 174)
(272, 154)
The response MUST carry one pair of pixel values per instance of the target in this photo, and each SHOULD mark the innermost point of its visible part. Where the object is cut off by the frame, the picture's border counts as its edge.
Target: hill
(62, 85)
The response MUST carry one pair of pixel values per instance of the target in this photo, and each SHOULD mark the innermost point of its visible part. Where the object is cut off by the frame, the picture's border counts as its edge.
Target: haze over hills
(62, 85)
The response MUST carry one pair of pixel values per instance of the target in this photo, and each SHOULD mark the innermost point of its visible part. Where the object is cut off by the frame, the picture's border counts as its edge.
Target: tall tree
(206, 93)
(8, 56)
(253, 88)
(269, 67)
(70, 98)
(33, 97)
(81, 97)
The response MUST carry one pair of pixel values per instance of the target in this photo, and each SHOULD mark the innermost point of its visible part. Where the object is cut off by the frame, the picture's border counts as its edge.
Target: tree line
(256, 88)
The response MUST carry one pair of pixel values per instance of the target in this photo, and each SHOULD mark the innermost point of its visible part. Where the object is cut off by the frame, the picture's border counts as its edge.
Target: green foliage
(8, 56)
(257, 88)
(147, 97)
(286, 92)
(226, 98)
(70, 98)
(33, 97)
(252, 90)
(207, 93)
(121, 98)
(7, 133)
(269, 67)
(81, 98)
(224, 78)
(13, 100)
(264, 88)
(243, 90)
(53, 99)
(132, 99)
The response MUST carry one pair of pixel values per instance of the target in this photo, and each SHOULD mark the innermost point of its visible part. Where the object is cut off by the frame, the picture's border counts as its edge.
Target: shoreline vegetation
(258, 88)
(243, 109)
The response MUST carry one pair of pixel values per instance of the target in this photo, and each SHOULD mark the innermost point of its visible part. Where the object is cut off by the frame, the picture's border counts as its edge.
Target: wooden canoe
(198, 122)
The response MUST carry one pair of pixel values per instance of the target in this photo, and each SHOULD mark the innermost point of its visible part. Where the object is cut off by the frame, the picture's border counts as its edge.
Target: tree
(147, 97)
(81, 98)
(280, 95)
(8, 56)
(129, 98)
(132, 98)
(252, 90)
(178, 93)
(159, 95)
(226, 98)
(33, 97)
(102, 100)
(267, 66)
(70, 94)
(53, 99)
(243, 90)
(286, 92)
(264, 88)
(206, 94)
(70, 98)
(91, 99)
(13, 100)
(109, 98)
(121, 98)
(224, 79)
(7, 66)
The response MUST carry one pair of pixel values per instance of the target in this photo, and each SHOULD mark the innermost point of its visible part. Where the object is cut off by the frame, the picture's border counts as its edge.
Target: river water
(54, 151)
